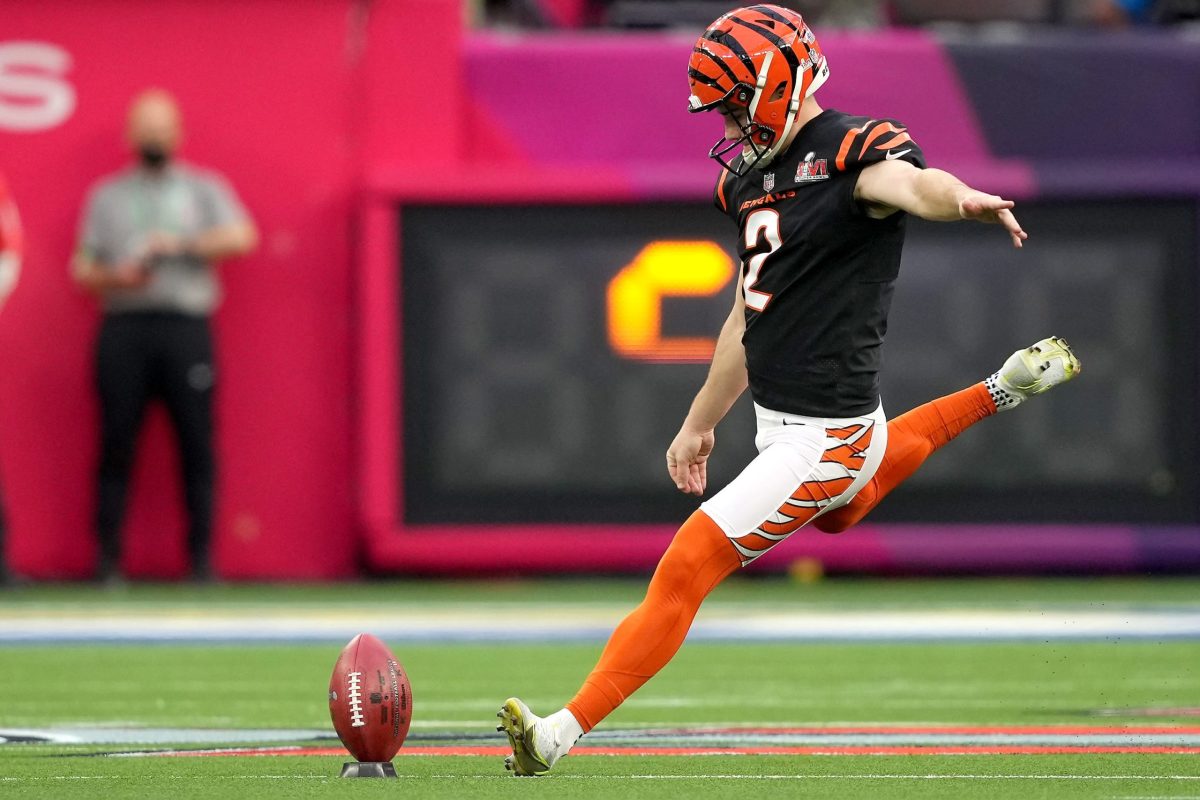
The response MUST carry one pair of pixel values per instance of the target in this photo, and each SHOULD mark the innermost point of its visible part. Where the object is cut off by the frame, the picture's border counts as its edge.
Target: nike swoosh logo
(785, 422)
(893, 156)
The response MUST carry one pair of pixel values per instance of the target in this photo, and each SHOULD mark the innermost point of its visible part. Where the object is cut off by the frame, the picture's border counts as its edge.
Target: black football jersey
(817, 272)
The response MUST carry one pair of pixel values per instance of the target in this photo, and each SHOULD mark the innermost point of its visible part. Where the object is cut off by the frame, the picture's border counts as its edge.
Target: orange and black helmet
(758, 63)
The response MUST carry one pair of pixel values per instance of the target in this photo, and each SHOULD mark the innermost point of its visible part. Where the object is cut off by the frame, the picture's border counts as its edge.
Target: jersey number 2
(765, 221)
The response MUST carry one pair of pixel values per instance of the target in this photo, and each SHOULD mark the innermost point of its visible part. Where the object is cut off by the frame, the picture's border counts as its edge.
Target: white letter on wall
(34, 95)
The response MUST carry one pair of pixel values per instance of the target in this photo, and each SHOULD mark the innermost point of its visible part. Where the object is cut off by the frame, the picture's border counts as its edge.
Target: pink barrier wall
(265, 87)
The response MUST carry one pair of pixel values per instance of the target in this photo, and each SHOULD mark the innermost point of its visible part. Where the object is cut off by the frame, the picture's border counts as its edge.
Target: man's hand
(127, 276)
(990, 208)
(9, 267)
(161, 244)
(94, 278)
(687, 460)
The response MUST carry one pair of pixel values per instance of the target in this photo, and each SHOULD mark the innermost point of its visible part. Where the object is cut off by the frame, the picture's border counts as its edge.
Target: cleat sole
(522, 762)
(1028, 375)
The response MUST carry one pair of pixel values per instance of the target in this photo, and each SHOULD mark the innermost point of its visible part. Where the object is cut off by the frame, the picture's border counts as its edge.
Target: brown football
(370, 700)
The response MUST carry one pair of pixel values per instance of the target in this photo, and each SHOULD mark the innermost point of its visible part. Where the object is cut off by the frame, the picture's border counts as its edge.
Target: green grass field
(1117, 682)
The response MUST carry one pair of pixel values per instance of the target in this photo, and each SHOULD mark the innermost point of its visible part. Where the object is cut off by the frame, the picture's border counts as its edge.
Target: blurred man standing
(149, 239)
(10, 264)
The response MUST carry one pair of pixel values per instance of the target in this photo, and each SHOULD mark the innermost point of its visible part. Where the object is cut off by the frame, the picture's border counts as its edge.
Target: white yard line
(741, 777)
(548, 623)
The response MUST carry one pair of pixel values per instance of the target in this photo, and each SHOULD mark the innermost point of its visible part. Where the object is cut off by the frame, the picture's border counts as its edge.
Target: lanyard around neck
(158, 204)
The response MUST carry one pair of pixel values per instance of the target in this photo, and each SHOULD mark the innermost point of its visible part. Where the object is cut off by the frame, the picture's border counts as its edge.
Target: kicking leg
(914, 436)
(803, 468)
(699, 557)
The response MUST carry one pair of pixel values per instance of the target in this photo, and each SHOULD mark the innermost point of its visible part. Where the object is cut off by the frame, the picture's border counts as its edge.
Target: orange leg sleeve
(700, 556)
(912, 437)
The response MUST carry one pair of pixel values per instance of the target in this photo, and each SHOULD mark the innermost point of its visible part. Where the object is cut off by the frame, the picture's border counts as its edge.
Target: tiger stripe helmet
(759, 63)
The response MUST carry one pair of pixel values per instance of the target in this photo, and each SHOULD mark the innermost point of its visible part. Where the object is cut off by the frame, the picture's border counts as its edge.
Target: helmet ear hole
(778, 93)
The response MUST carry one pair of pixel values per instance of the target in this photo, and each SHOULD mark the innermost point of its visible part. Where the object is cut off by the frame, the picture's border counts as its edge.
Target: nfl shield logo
(768, 181)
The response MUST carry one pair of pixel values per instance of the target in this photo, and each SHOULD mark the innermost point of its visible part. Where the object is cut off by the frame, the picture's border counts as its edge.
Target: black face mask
(153, 156)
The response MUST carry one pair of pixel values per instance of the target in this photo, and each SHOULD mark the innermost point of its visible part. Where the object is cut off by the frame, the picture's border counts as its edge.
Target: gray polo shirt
(124, 209)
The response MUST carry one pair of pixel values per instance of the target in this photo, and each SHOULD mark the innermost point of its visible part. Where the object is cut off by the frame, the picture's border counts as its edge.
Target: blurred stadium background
(428, 367)
(473, 324)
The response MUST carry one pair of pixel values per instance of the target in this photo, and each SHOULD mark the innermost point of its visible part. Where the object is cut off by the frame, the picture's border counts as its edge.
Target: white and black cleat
(1032, 371)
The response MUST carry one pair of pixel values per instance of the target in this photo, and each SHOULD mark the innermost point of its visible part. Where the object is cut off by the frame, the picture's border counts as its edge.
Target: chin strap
(759, 85)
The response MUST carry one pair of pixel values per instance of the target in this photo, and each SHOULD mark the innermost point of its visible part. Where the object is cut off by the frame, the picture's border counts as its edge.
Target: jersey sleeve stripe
(895, 141)
(844, 150)
(721, 191)
(880, 130)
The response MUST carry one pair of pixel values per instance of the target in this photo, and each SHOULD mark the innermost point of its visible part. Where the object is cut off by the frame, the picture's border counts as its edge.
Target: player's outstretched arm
(932, 194)
(687, 457)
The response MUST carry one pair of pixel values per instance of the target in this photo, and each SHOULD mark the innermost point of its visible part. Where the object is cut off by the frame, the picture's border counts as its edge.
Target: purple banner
(1060, 114)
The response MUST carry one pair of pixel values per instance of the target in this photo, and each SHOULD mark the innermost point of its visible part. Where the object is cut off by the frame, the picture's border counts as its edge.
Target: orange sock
(912, 437)
(700, 556)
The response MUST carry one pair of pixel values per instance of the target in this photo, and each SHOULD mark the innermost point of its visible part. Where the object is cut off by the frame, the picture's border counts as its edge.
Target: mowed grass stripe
(706, 684)
(652, 778)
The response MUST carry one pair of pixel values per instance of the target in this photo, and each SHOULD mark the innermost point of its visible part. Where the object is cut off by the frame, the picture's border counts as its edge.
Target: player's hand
(687, 460)
(990, 208)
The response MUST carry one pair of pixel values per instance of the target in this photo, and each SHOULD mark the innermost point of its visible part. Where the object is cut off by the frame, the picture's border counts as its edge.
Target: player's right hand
(687, 460)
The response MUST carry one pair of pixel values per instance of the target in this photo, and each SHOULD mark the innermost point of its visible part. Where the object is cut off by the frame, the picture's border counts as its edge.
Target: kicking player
(820, 199)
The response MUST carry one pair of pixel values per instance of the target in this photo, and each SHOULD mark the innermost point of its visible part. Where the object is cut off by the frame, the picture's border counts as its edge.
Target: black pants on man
(140, 357)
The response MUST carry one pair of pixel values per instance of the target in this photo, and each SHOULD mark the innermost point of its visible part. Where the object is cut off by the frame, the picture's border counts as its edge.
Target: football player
(820, 198)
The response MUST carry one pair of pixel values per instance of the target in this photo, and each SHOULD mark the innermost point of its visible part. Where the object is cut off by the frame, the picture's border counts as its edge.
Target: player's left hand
(991, 208)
